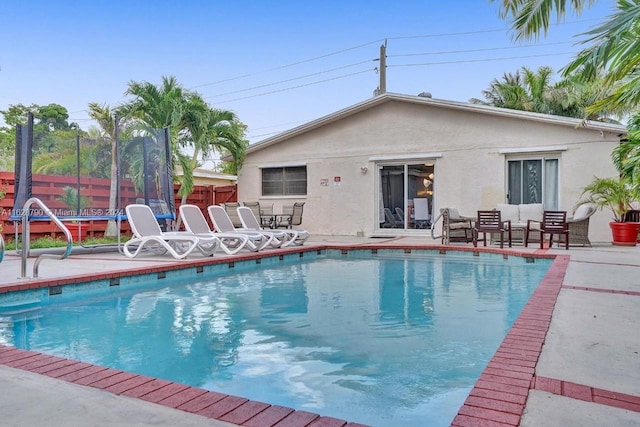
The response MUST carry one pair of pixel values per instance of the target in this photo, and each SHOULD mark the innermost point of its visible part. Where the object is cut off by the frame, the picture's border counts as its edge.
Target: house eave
(454, 105)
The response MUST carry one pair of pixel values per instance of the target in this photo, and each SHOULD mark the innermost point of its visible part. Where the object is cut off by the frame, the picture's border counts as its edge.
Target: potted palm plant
(618, 196)
(72, 198)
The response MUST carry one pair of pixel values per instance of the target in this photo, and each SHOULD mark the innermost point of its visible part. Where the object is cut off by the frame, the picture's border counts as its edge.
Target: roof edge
(456, 105)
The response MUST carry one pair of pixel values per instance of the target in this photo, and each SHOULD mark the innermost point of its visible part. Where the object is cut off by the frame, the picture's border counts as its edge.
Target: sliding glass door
(405, 195)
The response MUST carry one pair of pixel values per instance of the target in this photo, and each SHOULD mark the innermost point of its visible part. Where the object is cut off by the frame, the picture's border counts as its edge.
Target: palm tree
(506, 93)
(535, 91)
(626, 156)
(210, 130)
(191, 121)
(216, 130)
(525, 90)
(157, 107)
(103, 115)
(613, 52)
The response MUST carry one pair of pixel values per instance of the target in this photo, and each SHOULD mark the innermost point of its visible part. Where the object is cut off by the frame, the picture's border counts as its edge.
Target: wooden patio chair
(553, 222)
(491, 222)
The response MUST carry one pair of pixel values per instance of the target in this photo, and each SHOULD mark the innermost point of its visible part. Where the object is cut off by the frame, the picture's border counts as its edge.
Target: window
(533, 181)
(285, 181)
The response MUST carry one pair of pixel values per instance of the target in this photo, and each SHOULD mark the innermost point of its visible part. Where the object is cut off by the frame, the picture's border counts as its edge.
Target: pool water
(381, 339)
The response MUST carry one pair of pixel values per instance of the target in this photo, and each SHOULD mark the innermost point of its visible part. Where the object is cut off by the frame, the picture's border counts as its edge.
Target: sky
(276, 64)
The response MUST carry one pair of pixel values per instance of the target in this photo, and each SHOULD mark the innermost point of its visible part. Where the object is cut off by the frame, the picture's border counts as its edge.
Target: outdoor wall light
(363, 170)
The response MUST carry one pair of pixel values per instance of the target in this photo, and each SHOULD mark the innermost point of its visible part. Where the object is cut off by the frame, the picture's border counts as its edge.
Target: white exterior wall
(470, 165)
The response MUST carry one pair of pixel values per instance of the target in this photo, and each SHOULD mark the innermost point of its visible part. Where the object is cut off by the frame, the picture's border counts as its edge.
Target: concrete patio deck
(572, 358)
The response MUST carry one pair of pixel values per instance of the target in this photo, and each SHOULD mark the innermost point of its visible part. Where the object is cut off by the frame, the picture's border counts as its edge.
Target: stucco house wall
(468, 145)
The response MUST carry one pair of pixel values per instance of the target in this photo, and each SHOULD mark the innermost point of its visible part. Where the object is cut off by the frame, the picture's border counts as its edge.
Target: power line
(289, 80)
(398, 38)
(304, 61)
(492, 49)
(364, 71)
(467, 33)
(481, 60)
(315, 58)
(298, 87)
(464, 33)
(390, 56)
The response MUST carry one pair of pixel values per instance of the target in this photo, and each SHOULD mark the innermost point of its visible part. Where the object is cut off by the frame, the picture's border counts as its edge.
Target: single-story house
(385, 166)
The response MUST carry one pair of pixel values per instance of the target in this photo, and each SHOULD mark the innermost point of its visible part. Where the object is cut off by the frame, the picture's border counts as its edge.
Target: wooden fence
(49, 187)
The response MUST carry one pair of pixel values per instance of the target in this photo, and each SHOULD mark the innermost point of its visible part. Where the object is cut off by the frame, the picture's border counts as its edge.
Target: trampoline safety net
(83, 178)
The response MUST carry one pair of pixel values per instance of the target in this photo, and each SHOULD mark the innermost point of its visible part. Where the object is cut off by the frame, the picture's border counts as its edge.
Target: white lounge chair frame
(231, 243)
(147, 234)
(223, 224)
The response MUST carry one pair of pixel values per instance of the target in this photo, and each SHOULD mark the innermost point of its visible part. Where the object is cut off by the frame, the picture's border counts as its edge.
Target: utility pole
(383, 68)
(382, 71)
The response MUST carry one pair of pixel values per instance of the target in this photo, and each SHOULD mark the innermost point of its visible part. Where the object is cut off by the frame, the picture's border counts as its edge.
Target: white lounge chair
(223, 224)
(147, 234)
(231, 243)
(287, 237)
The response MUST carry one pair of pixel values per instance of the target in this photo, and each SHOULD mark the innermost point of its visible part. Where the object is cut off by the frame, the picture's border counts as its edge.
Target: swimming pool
(382, 339)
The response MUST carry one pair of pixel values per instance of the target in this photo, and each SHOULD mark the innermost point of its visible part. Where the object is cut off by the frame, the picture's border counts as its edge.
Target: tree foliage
(193, 124)
(612, 52)
(535, 91)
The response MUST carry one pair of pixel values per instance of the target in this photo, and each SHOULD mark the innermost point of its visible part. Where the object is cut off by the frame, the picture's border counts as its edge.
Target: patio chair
(455, 227)
(291, 215)
(492, 223)
(390, 220)
(579, 226)
(231, 243)
(147, 234)
(232, 211)
(553, 222)
(400, 217)
(266, 219)
(421, 212)
(223, 224)
(287, 237)
(158, 207)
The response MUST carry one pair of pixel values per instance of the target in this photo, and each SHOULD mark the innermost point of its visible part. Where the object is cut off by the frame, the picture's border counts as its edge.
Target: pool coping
(498, 397)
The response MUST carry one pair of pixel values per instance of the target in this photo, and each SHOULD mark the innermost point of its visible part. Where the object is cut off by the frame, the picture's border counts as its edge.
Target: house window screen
(284, 181)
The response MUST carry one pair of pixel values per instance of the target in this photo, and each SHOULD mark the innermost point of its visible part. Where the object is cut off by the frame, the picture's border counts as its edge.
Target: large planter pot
(77, 232)
(624, 233)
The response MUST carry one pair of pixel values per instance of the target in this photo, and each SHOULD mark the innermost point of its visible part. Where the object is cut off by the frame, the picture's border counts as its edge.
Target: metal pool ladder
(26, 236)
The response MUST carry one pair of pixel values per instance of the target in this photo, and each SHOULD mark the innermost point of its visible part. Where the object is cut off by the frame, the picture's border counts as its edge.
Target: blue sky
(277, 64)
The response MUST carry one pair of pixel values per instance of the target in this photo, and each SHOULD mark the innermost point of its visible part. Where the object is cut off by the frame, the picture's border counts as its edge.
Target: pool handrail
(26, 236)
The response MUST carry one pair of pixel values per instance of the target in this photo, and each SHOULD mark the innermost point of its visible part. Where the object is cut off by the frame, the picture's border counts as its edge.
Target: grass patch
(50, 242)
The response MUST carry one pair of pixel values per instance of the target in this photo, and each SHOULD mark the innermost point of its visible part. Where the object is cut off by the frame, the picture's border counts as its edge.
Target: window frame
(287, 179)
(543, 158)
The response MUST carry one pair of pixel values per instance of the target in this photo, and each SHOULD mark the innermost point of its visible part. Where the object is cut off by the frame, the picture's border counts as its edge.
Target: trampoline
(90, 180)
